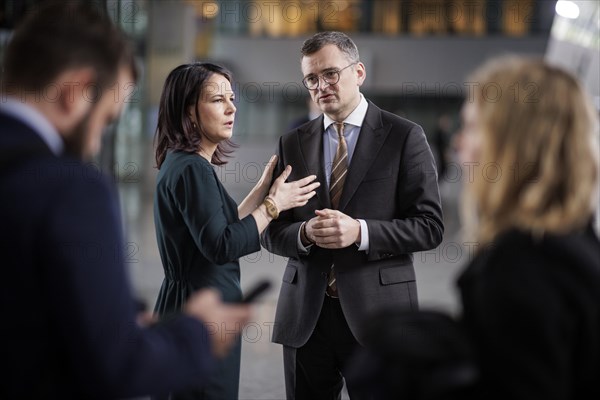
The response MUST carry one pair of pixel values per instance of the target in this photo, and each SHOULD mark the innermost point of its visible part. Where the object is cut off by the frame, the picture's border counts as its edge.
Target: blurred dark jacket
(416, 355)
(532, 310)
(530, 329)
(68, 327)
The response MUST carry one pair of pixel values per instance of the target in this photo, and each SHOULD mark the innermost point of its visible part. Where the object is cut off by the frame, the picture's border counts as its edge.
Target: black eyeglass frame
(337, 72)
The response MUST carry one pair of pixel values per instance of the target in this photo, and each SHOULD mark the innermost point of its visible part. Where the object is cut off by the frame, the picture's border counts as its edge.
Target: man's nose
(323, 84)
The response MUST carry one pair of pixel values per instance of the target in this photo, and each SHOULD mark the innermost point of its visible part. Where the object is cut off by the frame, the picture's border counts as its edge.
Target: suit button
(324, 274)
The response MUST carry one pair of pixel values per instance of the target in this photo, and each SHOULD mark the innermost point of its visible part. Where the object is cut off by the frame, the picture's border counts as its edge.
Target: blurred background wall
(417, 53)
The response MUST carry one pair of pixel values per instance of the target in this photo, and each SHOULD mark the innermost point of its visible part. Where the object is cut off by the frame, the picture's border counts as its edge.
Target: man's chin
(329, 108)
(327, 104)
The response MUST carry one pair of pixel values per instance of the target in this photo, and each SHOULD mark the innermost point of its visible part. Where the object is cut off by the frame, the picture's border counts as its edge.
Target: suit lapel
(370, 140)
(311, 147)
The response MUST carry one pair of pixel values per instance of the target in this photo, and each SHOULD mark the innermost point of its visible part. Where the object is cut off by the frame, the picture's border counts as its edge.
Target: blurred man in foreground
(69, 319)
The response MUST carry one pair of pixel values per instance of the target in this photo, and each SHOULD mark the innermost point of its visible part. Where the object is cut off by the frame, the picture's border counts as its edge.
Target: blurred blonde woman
(531, 295)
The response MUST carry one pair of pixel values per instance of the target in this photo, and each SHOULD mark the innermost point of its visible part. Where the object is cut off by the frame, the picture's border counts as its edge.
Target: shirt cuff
(301, 248)
(364, 236)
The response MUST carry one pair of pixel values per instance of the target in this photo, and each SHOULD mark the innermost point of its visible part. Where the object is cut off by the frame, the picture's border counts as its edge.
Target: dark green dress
(200, 238)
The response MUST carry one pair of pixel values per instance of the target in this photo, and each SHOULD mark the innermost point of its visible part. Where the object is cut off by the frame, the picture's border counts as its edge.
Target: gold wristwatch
(271, 207)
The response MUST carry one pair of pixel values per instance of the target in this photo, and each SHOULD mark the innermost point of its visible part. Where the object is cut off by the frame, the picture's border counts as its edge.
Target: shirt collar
(355, 118)
(36, 121)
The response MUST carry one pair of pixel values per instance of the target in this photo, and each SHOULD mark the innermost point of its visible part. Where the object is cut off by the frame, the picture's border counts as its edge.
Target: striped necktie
(336, 185)
(339, 169)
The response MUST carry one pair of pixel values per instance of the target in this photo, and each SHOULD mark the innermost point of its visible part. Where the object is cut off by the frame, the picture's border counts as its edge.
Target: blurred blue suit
(68, 317)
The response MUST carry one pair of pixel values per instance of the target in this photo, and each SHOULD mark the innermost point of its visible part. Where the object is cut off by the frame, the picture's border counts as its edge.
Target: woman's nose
(231, 109)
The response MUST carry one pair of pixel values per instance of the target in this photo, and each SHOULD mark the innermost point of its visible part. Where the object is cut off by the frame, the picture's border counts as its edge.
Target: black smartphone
(256, 291)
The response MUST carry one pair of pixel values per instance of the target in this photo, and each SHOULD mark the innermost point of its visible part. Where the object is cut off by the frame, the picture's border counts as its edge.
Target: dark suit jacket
(392, 184)
(68, 327)
(532, 308)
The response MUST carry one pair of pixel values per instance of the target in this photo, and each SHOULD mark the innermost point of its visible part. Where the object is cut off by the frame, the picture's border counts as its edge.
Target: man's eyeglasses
(331, 77)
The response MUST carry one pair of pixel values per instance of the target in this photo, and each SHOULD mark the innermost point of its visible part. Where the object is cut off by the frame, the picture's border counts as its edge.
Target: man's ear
(77, 93)
(361, 73)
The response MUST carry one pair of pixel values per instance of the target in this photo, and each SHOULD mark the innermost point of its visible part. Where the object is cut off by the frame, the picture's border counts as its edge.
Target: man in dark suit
(350, 248)
(69, 324)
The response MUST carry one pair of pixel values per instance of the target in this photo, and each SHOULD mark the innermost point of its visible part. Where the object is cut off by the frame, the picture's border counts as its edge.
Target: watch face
(271, 209)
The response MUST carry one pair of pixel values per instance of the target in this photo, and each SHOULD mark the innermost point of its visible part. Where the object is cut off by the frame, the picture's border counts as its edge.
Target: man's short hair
(339, 39)
(57, 36)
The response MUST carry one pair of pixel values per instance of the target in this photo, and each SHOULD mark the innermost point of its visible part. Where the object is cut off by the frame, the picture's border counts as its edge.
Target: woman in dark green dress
(201, 231)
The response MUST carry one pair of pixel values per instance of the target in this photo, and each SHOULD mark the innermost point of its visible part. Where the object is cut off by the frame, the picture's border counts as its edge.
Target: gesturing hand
(288, 195)
(333, 229)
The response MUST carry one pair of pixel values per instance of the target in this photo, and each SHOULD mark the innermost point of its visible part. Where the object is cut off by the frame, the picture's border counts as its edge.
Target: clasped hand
(332, 229)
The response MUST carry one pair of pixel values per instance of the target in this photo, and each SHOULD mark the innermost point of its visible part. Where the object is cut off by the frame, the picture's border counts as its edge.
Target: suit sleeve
(419, 225)
(281, 235)
(90, 302)
(199, 200)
